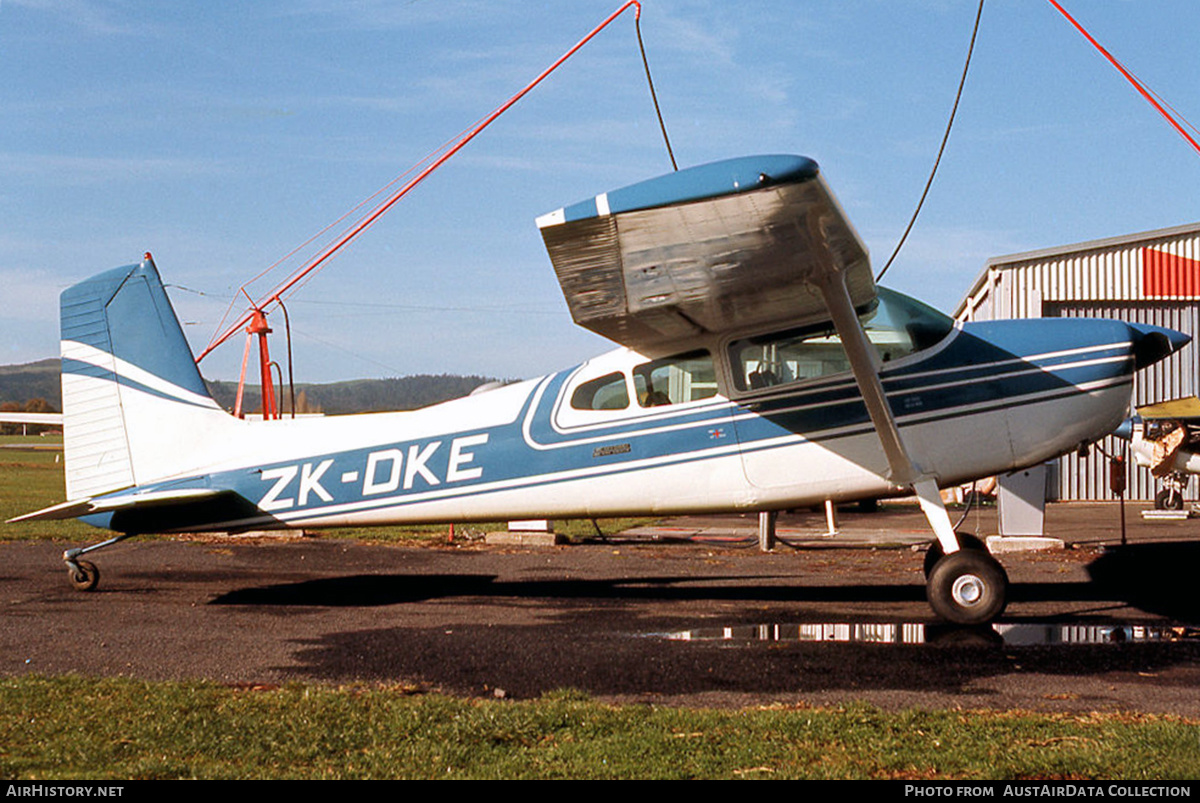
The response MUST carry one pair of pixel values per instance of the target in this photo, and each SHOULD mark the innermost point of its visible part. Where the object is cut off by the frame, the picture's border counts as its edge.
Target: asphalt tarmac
(685, 614)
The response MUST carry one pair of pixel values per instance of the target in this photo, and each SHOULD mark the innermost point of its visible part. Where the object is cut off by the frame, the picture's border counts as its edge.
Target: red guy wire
(1128, 77)
(358, 228)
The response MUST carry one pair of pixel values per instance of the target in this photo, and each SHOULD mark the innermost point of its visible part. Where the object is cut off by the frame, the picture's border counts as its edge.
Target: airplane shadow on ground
(1156, 578)
(595, 635)
(394, 589)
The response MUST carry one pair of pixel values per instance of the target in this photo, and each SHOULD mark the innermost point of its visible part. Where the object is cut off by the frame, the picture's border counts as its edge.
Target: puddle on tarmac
(1025, 634)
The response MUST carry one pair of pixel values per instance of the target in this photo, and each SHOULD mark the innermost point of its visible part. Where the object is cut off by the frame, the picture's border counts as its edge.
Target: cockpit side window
(784, 357)
(675, 380)
(608, 392)
(896, 325)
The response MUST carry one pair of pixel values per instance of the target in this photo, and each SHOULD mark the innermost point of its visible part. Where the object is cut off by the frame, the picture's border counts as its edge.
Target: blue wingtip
(712, 180)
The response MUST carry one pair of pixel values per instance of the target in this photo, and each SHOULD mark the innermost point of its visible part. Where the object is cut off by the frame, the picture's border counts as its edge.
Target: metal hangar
(1151, 277)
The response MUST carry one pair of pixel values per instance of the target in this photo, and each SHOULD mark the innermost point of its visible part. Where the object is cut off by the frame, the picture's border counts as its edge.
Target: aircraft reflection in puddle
(919, 633)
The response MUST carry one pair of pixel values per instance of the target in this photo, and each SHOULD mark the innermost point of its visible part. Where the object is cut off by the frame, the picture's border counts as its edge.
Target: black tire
(86, 577)
(967, 587)
(935, 553)
(1167, 499)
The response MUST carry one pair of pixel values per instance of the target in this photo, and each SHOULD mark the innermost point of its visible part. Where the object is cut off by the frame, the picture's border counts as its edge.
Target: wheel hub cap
(967, 590)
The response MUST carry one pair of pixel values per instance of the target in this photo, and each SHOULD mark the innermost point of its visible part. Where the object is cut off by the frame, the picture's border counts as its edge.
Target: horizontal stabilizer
(711, 249)
(112, 504)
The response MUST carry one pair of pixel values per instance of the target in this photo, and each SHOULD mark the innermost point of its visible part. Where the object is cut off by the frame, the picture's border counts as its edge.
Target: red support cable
(1128, 77)
(354, 231)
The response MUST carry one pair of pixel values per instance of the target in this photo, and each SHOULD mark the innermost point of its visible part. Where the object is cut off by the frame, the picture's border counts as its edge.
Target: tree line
(38, 383)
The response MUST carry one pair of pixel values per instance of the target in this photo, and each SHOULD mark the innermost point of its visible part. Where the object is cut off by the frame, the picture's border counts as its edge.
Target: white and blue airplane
(760, 369)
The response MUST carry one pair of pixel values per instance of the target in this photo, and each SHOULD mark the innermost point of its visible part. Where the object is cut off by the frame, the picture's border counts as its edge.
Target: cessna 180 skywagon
(760, 369)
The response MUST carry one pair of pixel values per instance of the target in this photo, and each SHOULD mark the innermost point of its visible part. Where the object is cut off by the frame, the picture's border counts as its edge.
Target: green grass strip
(77, 728)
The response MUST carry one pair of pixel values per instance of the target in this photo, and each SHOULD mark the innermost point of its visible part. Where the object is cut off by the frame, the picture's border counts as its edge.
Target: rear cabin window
(896, 326)
(608, 392)
(675, 380)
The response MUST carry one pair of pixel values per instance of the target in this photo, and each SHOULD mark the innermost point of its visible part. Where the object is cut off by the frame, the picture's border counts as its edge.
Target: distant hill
(20, 383)
(360, 395)
(32, 380)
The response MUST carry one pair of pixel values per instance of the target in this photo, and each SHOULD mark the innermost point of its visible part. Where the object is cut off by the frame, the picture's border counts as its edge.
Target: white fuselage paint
(439, 463)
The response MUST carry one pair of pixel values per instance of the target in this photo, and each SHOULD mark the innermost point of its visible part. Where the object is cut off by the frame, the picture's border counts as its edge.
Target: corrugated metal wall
(1148, 278)
(1172, 378)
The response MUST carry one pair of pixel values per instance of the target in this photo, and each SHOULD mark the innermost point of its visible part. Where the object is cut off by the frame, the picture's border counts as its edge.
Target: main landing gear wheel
(967, 587)
(935, 553)
(84, 575)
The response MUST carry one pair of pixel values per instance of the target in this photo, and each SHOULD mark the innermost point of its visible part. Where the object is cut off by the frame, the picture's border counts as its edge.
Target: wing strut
(864, 362)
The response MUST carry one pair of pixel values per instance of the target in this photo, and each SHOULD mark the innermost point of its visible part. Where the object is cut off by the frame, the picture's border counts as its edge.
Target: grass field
(120, 728)
(59, 728)
(31, 480)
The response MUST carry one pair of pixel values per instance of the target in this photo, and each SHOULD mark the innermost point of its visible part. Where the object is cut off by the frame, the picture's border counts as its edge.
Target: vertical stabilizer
(133, 399)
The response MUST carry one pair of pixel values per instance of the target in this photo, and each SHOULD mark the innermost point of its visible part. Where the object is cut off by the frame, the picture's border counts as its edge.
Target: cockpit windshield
(896, 325)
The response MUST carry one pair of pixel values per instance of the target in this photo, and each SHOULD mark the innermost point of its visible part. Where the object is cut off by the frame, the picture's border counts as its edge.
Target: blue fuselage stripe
(503, 458)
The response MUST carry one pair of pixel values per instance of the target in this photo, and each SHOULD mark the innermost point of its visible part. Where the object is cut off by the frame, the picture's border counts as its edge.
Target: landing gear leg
(965, 586)
(83, 574)
(964, 583)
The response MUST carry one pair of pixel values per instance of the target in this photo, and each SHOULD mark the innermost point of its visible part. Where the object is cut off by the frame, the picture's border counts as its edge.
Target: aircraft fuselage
(987, 399)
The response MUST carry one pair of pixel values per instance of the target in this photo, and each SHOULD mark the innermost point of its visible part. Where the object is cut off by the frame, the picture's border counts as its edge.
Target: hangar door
(1074, 479)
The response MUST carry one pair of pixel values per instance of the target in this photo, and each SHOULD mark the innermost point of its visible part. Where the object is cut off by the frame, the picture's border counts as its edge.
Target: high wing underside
(716, 248)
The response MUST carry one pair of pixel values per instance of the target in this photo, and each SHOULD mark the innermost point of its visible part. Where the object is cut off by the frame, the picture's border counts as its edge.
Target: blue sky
(222, 135)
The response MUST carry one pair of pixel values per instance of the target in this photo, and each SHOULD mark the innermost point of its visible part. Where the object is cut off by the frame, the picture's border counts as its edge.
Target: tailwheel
(83, 575)
(967, 587)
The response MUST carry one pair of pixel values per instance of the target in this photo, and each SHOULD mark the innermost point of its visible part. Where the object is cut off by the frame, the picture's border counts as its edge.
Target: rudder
(129, 381)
